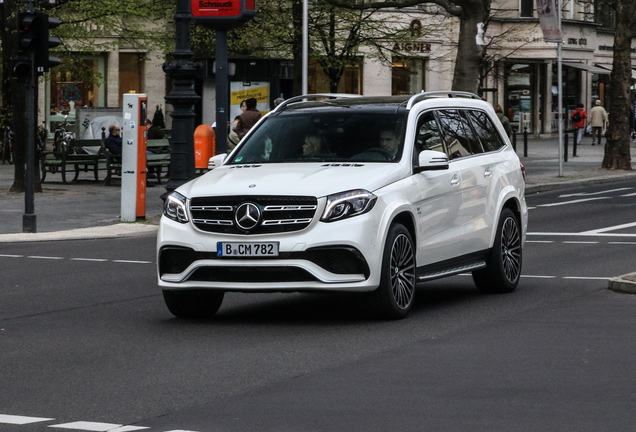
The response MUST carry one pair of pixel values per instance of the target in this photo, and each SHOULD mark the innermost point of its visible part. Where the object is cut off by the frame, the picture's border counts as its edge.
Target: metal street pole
(305, 88)
(29, 219)
(183, 71)
(222, 92)
(560, 97)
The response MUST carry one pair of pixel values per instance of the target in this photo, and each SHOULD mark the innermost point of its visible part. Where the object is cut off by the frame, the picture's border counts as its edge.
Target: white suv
(349, 193)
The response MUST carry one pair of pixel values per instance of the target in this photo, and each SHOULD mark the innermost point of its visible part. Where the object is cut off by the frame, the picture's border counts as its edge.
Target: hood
(309, 179)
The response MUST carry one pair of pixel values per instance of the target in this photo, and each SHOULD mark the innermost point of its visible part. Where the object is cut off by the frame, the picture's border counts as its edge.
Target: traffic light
(33, 29)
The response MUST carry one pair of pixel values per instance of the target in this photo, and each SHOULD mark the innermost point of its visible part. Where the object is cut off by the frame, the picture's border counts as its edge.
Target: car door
(467, 153)
(438, 229)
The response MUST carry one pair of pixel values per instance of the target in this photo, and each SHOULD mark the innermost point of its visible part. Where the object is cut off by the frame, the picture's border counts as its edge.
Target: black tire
(503, 264)
(193, 303)
(394, 297)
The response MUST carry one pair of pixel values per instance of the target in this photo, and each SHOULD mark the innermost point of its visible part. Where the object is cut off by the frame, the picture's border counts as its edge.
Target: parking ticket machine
(133, 170)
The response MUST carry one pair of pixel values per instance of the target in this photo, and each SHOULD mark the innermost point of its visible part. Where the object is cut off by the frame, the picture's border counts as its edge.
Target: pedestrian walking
(598, 121)
(578, 117)
(505, 121)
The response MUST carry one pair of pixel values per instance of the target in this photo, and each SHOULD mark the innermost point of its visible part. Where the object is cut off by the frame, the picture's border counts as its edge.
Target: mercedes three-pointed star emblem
(247, 216)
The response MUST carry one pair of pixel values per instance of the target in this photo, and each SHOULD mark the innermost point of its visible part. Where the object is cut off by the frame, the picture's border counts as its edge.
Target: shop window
(526, 8)
(519, 101)
(129, 75)
(407, 76)
(350, 81)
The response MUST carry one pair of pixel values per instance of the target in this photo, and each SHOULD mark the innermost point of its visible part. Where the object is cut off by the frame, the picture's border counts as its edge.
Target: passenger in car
(314, 145)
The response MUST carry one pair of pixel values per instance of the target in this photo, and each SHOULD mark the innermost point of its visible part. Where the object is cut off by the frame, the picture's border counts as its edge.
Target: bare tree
(617, 153)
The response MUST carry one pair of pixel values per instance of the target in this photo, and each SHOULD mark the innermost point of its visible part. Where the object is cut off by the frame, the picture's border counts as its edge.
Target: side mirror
(431, 160)
(216, 161)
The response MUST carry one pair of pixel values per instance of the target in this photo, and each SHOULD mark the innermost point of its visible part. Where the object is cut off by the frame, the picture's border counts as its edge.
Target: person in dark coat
(153, 132)
(113, 142)
(248, 119)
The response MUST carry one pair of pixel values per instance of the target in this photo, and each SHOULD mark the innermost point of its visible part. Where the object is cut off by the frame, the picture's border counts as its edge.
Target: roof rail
(314, 96)
(438, 94)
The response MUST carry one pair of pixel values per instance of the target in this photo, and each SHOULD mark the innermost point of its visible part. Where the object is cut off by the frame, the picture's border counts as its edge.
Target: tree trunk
(617, 155)
(469, 55)
(297, 46)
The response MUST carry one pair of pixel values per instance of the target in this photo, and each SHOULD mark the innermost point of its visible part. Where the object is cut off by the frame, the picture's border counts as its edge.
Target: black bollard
(565, 147)
(574, 143)
(525, 142)
(514, 141)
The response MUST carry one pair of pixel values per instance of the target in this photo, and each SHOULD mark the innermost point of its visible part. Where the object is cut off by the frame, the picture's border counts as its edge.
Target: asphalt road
(86, 342)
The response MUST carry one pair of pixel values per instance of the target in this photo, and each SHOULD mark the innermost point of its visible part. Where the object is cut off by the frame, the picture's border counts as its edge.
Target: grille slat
(279, 213)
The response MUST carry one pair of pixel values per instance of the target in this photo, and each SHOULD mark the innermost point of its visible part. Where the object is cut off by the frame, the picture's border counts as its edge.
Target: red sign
(216, 8)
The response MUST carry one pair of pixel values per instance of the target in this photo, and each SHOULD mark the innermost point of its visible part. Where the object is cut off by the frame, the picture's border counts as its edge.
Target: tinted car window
(485, 130)
(428, 134)
(473, 141)
(457, 142)
(325, 136)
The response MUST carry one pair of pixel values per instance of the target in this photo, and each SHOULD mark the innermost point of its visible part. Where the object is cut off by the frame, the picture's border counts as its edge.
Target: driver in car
(388, 142)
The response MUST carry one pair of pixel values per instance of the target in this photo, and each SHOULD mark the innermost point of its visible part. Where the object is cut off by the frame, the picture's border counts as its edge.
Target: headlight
(348, 204)
(175, 207)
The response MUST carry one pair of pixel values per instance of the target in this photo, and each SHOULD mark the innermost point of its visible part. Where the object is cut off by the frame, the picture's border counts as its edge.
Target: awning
(609, 69)
(587, 67)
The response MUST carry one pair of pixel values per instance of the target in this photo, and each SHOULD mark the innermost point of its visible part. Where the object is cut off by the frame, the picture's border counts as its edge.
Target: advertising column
(133, 170)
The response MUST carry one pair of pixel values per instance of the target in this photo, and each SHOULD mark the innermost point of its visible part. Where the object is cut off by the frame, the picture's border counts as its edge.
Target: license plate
(236, 249)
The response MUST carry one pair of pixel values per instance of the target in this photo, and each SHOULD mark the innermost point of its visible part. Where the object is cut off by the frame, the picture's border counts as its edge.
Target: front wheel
(193, 303)
(503, 263)
(394, 297)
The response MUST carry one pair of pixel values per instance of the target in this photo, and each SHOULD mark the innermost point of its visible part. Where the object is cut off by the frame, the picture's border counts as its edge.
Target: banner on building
(549, 20)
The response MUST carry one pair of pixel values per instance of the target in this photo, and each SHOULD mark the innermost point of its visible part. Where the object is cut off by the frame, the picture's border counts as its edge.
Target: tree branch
(447, 5)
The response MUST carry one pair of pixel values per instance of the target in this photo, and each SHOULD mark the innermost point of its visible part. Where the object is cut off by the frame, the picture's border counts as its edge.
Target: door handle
(488, 173)
(455, 180)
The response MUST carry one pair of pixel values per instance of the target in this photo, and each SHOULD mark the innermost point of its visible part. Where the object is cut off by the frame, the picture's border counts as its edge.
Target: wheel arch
(509, 199)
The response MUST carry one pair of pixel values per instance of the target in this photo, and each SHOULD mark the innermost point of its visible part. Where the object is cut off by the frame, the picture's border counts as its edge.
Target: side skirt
(464, 263)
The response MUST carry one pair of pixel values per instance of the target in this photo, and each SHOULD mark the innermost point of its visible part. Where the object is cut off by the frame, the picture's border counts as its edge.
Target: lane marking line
(132, 262)
(21, 420)
(128, 428)
(90, 259)
(87, 426)
(538, 276)
(612, 228)
(11, 256)
(572, 202)
(539, 241)
(595, 193)
(557, 234)
(622, 243)
(586, 277)
(580, 242)
(629, 195)
(45, 257)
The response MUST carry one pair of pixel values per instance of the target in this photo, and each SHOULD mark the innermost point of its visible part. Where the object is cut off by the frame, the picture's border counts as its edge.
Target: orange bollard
(204, 143)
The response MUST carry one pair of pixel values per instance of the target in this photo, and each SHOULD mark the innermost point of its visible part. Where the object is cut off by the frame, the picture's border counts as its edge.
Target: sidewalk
(86, 204)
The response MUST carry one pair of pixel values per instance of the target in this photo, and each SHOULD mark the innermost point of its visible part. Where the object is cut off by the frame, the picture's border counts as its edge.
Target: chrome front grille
(278, 213)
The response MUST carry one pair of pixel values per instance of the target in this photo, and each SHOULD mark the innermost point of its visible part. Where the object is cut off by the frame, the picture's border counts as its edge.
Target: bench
(155, 162)
(77, 155)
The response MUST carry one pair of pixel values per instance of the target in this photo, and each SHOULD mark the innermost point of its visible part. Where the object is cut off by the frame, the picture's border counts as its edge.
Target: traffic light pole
(29, 219)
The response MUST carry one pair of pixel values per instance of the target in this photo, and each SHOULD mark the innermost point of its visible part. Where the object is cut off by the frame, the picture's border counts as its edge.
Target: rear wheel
(503, 264)
(193, 303)
(394, 297)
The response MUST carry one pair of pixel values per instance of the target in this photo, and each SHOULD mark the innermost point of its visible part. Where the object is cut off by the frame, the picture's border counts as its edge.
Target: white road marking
(20, 420)
(45, 257)
(90, 259)
(580, 242)
(572, 202)
(539, 241)
(128, 428)
(595, 193)
(531, 208)
(580, 234)
(586, 278)
(629, 195)
(612, 228)
(622, 243)
(132, 262)
(87, 426)
(538, 276)
(180, 430)
(11, 256)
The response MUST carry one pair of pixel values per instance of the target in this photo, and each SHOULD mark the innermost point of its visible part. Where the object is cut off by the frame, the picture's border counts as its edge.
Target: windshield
(325, 137)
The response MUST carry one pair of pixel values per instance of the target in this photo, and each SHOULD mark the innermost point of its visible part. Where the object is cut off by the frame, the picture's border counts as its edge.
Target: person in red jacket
(578, 117)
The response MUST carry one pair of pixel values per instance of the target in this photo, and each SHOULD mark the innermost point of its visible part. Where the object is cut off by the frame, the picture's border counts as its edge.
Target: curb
(551, 186)
(622, 284)
(109, 231)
